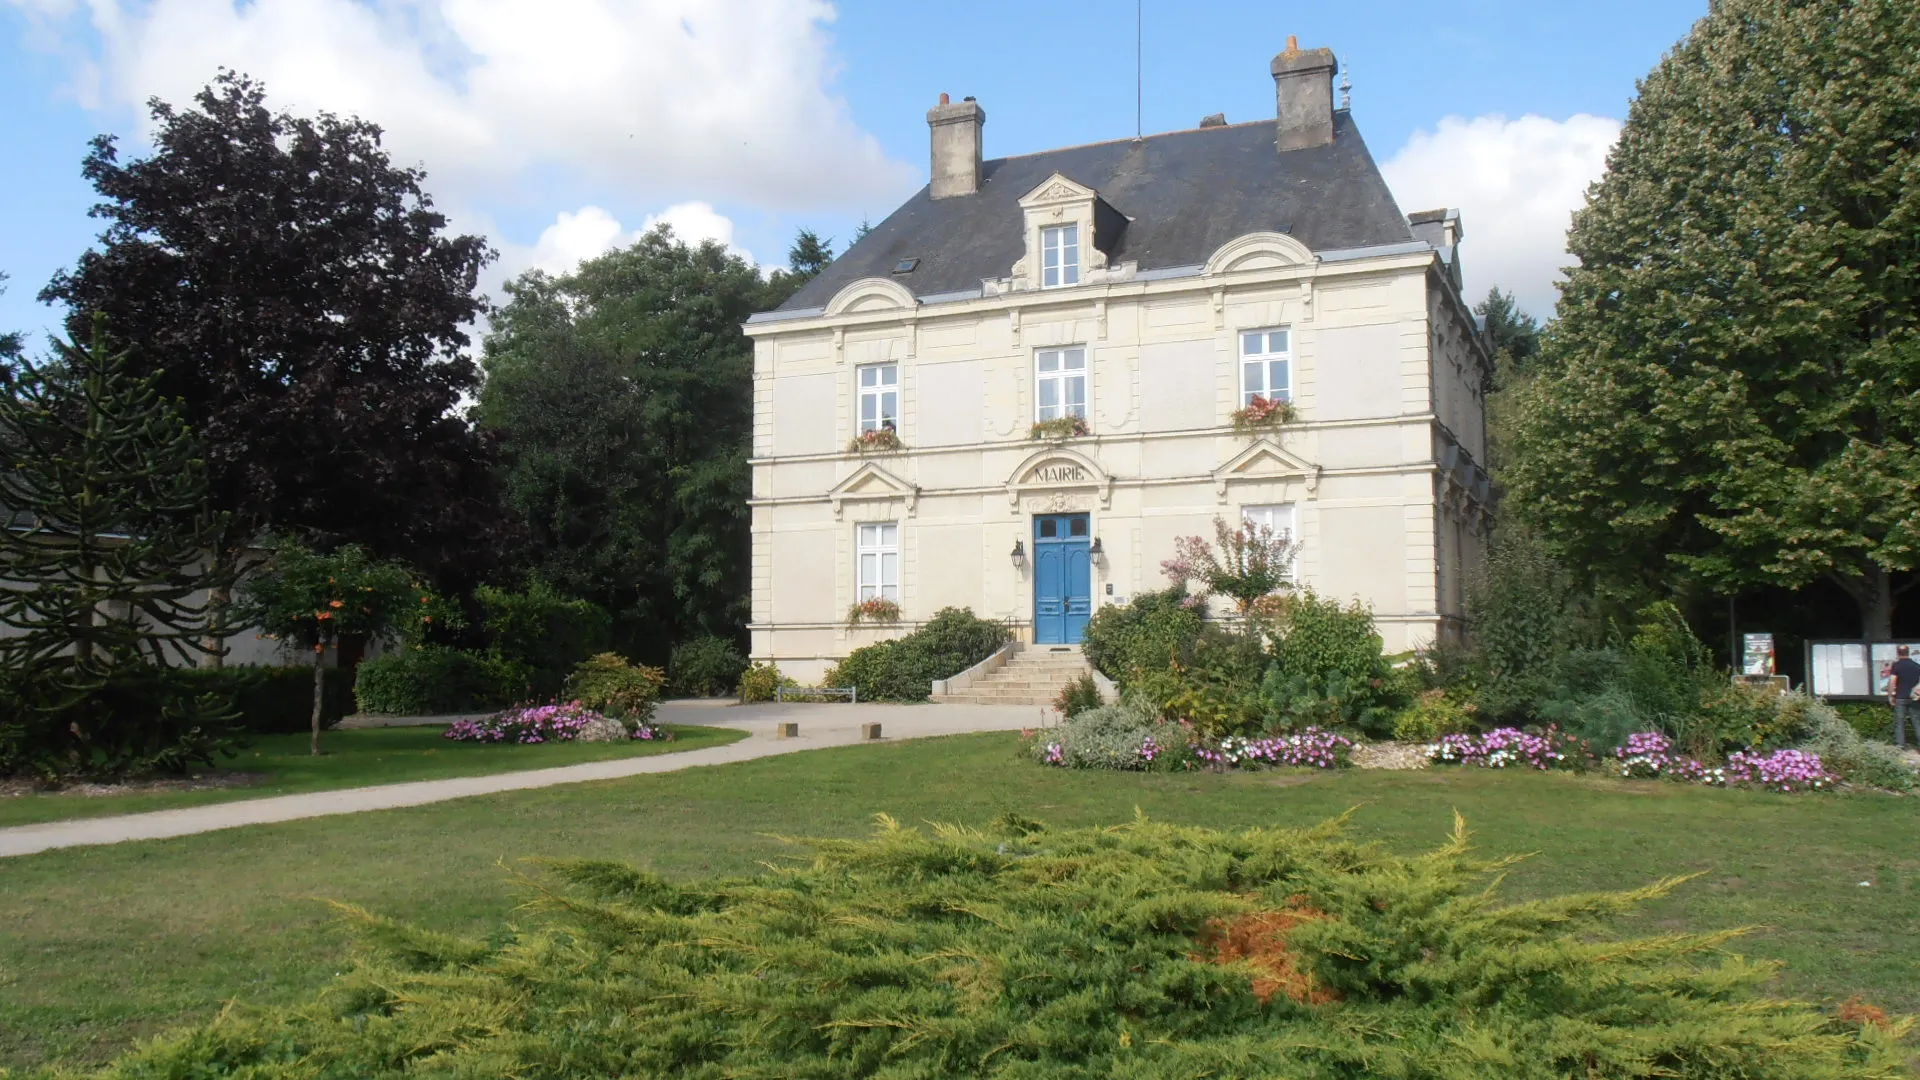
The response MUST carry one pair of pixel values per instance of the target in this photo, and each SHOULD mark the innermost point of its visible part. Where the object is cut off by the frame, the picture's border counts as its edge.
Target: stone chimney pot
(1303, 96)
(956, 128)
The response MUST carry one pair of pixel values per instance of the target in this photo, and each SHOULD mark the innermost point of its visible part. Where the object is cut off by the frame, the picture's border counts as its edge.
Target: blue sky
(561, 127)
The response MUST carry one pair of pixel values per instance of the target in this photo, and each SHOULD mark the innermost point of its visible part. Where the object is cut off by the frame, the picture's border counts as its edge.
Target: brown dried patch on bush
(1860, 1014)
(1259, 939)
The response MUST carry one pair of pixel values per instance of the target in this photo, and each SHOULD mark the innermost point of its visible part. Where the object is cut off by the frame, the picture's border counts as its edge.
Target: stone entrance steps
(1031, 676)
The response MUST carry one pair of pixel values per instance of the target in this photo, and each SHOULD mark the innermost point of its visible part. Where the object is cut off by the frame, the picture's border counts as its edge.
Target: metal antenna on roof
(1139, 67)
(1346, 87)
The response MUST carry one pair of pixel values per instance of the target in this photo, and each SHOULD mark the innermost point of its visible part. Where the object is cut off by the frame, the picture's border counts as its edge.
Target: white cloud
(578, 235)
(1516, 184)
(725, 99)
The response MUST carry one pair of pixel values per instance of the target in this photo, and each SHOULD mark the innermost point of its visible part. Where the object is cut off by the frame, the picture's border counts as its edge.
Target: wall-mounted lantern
(1099, 553)
(1019, 554)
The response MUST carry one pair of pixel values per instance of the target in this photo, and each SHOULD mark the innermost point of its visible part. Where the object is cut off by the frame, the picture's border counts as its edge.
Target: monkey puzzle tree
(104, 548)
(1730, 393)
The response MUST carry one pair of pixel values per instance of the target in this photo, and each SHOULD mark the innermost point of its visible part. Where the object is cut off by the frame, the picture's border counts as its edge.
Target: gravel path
(821, 725)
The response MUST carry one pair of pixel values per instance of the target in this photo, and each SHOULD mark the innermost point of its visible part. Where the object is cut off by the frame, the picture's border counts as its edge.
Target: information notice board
(1852, 669)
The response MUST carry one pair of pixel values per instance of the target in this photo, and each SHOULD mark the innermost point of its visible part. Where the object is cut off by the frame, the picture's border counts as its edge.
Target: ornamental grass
(1143, 951)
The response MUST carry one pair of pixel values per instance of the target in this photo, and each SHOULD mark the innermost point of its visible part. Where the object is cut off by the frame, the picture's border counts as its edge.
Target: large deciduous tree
(622, 398)
(1729, 392)
(298, 292)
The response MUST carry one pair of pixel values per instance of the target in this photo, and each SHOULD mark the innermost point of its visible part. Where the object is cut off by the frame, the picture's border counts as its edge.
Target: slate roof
(1186, 193)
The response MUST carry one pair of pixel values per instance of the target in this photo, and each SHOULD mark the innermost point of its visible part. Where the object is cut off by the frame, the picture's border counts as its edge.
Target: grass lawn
(358, 757)
(104, 945)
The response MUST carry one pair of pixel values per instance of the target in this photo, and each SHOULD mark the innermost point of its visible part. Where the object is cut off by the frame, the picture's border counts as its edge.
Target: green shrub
(1113, 737)
(543, 631)
(1434, 713)
(1330, 670)
(1218, 691)
(1319, 638)
(1128, 642)
(1820, 730)
(1872, 719)
(1139, 950)
(607, 683)
(1077, 696)
(1524, 612)
(141, 721)
(276, 700)
(904, 669)
(430, 680)
(705, 667)
(760, 681)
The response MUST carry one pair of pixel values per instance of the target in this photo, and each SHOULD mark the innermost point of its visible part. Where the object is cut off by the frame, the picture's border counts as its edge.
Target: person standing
(1902, 679)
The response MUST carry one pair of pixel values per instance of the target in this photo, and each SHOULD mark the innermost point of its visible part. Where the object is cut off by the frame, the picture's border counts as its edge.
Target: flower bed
(1501, 747)
(571, 722)
(1646, 755)
(1312, 748)
(1650, 755)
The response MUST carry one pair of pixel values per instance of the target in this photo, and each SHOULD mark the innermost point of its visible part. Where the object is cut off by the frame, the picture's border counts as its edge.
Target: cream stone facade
(1376, 476)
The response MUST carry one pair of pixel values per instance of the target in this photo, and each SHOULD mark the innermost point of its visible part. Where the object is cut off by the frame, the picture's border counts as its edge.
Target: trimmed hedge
(434, 679)
(705, 667)
(905, 668)
(276, 700)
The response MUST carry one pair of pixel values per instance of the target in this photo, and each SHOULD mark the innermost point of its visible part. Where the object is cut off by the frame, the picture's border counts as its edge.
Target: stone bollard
(869, 731)
(786, 729)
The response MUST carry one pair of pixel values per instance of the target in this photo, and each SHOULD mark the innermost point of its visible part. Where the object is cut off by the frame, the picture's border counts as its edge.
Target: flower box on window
(876, 609)
(878, 441)
(1060, 427)
(1262, 414)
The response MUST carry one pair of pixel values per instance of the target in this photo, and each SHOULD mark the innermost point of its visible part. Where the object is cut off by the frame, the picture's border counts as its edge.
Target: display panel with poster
(1852, 669)
(1756, 655)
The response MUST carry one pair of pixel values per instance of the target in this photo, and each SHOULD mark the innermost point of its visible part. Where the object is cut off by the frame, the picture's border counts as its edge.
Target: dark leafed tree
(805, 259)
(103, 560)
(860, 233)
(1508, 329)
(622, 398)
(1514, 337)
(299, 294)
(1730, 394)
(10, 342)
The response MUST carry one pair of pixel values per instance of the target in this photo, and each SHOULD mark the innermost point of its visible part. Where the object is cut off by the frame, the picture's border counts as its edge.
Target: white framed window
(879, 397)
(1060, 383)
(1279, 518)
(1266, 363)
(1059, 256)
(878, 561)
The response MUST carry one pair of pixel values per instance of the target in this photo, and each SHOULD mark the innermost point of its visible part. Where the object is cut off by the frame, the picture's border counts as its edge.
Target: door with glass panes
(1062, 578)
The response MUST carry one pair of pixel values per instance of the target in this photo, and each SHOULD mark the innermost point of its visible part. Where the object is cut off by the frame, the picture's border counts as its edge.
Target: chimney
(956, 146)
(1303, 96)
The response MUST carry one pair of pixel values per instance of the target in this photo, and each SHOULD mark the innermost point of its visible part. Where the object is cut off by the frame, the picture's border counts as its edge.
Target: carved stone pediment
(871, 483)
(1059, 475)
(1265, 459)
(1056, 188)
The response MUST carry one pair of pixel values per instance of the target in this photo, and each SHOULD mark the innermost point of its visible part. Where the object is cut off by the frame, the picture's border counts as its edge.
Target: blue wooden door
(1062, 578)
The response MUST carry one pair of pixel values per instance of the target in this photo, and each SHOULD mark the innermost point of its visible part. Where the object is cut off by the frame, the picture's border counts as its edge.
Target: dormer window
(1059, 256)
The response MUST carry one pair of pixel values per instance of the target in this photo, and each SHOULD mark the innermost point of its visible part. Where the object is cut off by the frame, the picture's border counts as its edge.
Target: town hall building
(1018, 390)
